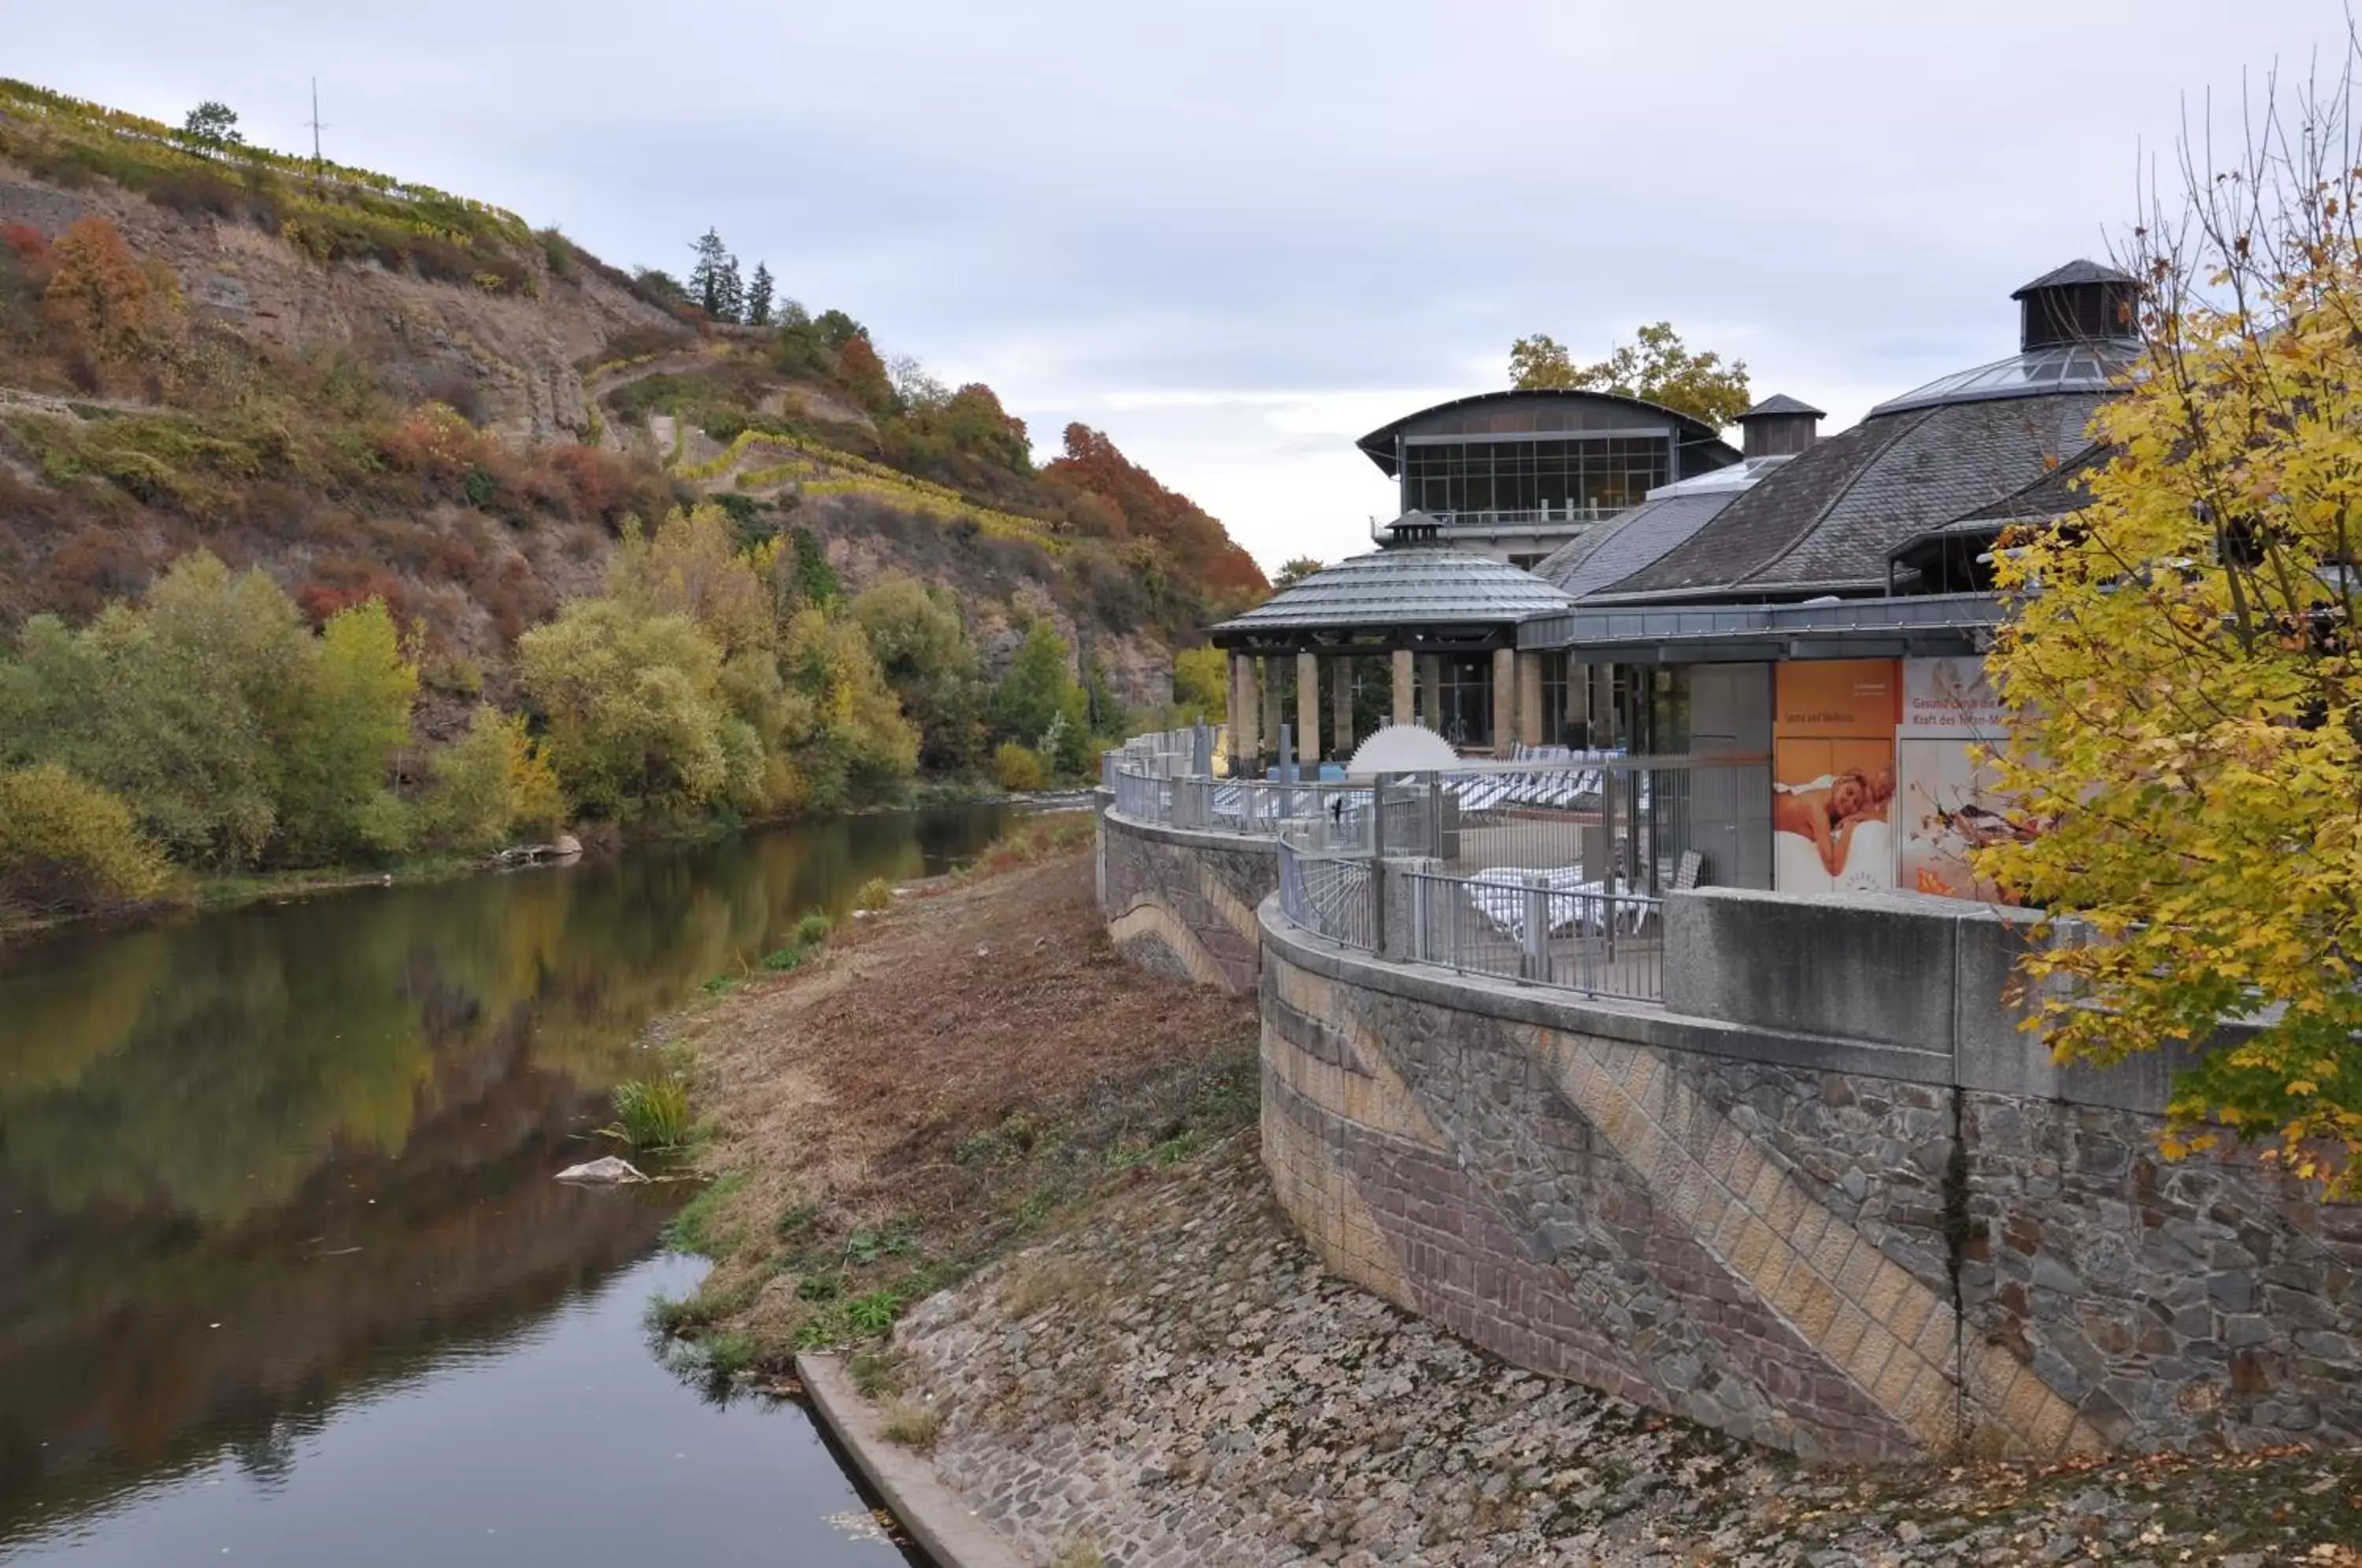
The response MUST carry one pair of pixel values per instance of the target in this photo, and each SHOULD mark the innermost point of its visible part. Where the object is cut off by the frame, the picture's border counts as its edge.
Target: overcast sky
(1237, 236)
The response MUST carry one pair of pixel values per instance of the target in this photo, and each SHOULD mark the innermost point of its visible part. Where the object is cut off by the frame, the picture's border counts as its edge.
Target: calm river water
(283, 1276)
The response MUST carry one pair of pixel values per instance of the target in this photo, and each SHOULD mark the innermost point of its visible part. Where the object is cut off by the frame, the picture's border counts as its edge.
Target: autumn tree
(102, 300)
(1201, 685)
(922, 649)
(1093, 468)
(862, 374)
(2183, 675)
(232, 734)
(1657, 366)
(488, 786)
(359, 689)
(632, 706)
(1293, 572)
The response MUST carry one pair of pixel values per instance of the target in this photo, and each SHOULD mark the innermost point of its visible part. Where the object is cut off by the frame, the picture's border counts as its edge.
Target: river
(283, 1276)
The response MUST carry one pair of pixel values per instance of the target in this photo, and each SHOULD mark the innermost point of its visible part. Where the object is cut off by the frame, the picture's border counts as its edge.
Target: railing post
(1534, 963)
(1377, 904)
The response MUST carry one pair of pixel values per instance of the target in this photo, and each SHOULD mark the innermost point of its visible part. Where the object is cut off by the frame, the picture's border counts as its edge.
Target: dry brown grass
(941, 1086)
(910, 1423)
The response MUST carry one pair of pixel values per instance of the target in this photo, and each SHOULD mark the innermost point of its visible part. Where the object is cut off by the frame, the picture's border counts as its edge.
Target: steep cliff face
(517, 356)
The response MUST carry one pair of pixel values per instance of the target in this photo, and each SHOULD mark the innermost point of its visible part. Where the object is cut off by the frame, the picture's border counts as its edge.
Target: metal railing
(1328, 893)
(1647, 822)
(1539, 927)
(1559, 514)
(1547, 870)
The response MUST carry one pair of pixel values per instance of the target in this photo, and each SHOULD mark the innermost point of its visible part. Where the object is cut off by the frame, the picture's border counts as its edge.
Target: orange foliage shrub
(343, 582)
(433, 438)
(103, 299)
(30, 250)
(600, 482)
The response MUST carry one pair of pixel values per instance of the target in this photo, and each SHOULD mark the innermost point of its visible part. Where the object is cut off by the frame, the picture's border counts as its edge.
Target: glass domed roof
(2092, 366)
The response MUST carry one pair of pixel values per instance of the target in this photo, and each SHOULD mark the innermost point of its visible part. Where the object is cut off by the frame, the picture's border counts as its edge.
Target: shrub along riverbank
(211, 732)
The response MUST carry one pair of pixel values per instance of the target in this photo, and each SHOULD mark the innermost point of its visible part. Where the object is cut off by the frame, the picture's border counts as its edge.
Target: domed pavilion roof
(1386, 598)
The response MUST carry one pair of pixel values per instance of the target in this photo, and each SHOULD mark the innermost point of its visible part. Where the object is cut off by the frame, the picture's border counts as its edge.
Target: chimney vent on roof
(2080, 303)
(1780, 427)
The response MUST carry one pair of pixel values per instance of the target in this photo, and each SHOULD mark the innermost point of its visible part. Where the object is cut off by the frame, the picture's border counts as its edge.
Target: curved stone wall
(1182, 901)
(1838, 1214)
(1829, 1246)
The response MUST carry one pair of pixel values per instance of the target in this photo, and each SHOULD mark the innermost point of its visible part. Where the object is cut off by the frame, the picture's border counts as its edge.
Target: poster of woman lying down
(1838, 814)
(1832, 815)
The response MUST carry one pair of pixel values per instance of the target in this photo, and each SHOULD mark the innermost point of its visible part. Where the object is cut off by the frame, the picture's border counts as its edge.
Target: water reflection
(254, 1163)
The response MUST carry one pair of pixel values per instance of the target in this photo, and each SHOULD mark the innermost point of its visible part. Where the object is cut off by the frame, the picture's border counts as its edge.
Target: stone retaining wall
(1832, 1246)
(1830, 1198)
(1182, 901)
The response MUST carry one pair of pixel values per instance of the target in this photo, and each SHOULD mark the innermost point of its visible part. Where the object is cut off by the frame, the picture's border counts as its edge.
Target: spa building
(1581, 570)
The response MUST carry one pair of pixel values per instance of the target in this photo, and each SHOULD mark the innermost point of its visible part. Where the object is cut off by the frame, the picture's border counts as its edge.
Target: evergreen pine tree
(716, 270)
(758, 297)
(729, 294)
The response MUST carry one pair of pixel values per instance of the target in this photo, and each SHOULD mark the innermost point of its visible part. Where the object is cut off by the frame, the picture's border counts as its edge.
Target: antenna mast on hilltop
(316, 128)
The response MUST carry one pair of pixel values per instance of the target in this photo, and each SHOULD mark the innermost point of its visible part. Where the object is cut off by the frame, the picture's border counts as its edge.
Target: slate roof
(1827, 519)
(1781, 403)
(1611, 551)
(2059, 490)
(2076, 272)
(1406, 585)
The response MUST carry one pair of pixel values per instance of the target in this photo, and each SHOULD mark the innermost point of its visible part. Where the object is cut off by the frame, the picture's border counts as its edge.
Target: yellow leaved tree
(2182, 674)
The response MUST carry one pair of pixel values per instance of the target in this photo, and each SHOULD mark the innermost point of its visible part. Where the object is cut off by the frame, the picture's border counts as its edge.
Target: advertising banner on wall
(1833, 774)
(1948, 801)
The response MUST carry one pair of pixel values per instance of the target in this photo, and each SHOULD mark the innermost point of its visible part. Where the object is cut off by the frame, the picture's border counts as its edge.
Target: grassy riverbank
(953, 1080)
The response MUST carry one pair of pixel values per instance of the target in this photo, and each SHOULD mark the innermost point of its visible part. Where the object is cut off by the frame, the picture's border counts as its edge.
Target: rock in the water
(608, 1171)
(567, 847)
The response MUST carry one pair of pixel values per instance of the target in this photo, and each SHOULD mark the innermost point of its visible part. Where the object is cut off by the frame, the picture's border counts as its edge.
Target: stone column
(1505, 701)
(1578, 698)
(1402, 710)
(1341, 705)
(1430, 692)
(1246, 739)
(1239, 705)
(1529, 698)
(1273, 715)
(1307, 710)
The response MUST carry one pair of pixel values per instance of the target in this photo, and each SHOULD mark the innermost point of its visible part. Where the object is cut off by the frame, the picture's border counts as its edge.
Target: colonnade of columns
(1256, 710)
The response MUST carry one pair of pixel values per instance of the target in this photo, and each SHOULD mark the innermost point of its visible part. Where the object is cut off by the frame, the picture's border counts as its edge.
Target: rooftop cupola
(1780, 427)
(1413, 528)
(2082, 302)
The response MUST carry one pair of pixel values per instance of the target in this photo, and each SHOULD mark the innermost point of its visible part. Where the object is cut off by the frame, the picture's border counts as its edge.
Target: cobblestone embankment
(1177, 1382)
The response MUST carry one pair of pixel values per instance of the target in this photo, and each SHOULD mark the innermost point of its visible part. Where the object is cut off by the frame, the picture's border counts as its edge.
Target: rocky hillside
(261, 368)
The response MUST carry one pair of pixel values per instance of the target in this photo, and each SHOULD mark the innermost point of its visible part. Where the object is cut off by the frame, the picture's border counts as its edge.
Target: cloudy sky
(1237, 235)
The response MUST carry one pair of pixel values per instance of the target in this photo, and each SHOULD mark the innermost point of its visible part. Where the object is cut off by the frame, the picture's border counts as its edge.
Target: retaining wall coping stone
(1195, 838)
(1637, 1022)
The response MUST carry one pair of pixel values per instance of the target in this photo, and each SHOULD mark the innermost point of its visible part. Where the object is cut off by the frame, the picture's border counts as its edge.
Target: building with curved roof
(1516, 474)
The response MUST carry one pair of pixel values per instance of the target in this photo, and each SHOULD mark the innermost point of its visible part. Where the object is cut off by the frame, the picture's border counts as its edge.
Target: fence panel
(1328, 895)
(1540, 928)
